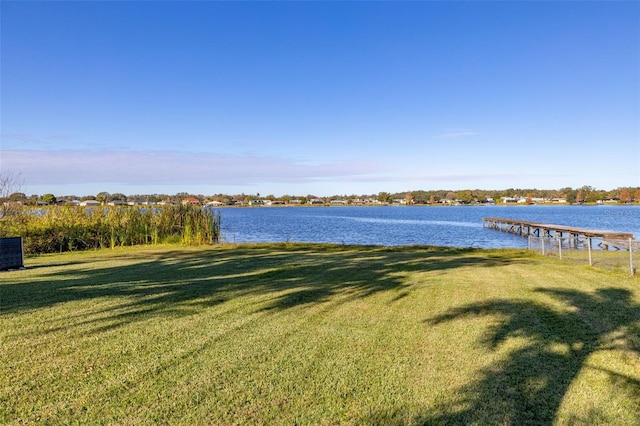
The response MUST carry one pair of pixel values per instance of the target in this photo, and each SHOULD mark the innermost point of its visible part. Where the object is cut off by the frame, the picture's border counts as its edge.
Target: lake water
(455, 226)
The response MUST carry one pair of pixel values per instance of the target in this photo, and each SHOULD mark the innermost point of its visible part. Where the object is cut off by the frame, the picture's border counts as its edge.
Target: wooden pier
(574, 236)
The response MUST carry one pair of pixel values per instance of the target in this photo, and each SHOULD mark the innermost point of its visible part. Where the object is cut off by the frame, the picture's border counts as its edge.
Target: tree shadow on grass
(179, 282)
(529, 385)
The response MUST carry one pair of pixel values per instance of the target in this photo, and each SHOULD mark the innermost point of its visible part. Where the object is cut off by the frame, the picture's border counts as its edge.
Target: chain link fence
(613, 255)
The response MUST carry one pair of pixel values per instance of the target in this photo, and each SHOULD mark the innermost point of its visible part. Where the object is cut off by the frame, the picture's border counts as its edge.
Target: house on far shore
(508, 200)
(610, 201)
(90, 203)
(191, 200)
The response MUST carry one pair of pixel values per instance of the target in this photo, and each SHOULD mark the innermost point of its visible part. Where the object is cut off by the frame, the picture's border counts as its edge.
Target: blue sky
(320, 98)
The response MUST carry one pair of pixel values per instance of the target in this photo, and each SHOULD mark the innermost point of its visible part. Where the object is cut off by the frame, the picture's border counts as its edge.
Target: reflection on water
(459, 226)
(413, 222)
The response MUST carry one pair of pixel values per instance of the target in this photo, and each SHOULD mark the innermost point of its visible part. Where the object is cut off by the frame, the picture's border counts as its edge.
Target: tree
(50, 199)
(33, 200)
(10, 183)
(18, 197)
(409, 198)
(103, 197)
(286, 198)
(594, 195)
(465, 196)
(451, 196)
(586, 194)
(625, 195)
(384, 197)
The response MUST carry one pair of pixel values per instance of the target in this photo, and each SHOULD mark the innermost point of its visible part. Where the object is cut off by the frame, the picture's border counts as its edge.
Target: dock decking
(575, 236)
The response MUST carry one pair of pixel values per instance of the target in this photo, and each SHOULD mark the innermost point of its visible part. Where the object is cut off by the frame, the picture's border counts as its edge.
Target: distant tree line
(584, 194)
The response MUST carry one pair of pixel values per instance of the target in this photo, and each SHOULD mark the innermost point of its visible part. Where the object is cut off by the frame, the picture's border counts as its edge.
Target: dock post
(542, 239)
(589, 245)
(630, 257)
(560, 248)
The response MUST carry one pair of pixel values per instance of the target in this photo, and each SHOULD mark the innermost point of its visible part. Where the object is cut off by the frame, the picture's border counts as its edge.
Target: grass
(613, 260)
(317, 334)
(57, 229)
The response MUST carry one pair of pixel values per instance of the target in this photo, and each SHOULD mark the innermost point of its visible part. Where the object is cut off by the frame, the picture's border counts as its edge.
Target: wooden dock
(574, 236)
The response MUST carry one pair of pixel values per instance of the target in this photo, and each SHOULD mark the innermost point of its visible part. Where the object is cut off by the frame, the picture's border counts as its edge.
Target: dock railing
(619, 255)
(613, 250)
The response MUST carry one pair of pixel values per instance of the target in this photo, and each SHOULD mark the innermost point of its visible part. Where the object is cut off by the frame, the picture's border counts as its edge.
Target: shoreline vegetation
(296, 333)
(72, 228)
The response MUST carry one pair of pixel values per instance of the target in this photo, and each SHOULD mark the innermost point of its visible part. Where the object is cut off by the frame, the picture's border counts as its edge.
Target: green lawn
(317, 334)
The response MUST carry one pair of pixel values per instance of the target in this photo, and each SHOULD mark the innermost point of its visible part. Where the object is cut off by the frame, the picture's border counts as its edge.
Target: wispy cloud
(16, 138)
(26, 141)
(468, 179)
(167, 168)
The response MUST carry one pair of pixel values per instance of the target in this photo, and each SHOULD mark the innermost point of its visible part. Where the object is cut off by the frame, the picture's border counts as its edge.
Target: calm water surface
(459, 226)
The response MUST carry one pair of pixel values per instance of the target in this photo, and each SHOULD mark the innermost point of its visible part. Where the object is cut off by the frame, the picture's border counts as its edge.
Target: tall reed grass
(68, 228)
